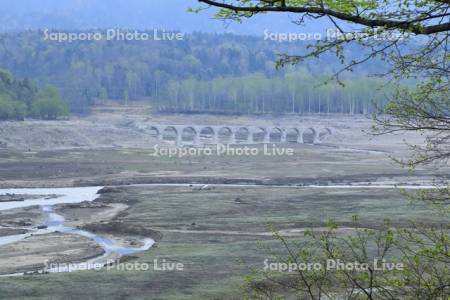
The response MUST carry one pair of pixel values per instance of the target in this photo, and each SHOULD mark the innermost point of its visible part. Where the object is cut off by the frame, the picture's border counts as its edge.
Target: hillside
(20, 99)
(135, 70)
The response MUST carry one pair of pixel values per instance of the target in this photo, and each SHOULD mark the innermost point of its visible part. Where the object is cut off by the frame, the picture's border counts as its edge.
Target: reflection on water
(55, 222)
(65, 195)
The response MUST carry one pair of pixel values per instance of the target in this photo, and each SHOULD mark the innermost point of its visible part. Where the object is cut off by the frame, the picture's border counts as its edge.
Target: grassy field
(216, 234)
(309, 164)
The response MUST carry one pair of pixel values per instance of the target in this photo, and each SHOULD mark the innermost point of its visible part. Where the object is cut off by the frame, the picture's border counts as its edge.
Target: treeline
(84, 71)
(21, 98)
(298, 92)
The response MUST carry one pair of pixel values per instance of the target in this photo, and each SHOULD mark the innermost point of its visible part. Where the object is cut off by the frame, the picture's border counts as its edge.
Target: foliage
(20, 99)
(381, 263)
(414, 43)
(424, 109)
(154, 70)
(49, 105)
(292, 93)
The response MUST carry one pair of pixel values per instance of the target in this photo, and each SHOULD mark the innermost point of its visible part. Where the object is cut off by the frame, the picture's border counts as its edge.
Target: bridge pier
(283, 136)
(215, 138)
(196, 138)
(250, 138)
(300, 137)
(266, 136)
(232, 138)
(179, 140)
(316, 139)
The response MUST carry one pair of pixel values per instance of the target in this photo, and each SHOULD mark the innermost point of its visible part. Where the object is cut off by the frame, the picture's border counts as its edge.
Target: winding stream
(55, 222)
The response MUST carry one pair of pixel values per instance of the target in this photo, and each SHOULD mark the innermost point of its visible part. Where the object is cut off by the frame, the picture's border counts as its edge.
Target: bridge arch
(259, 134)
(170, 133)
(207, 132)
(242, 134)
(325, 133)
(189, 134)
(293, 135)
(154, 131)
(238, 134)
(225, 134)
(275, 134)
(309, 136)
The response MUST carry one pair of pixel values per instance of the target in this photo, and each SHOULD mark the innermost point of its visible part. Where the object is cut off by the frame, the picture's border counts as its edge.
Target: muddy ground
(209, 229)
(21, 217)
(112, 149)
(32, 253)
(98, 217)
(216, 233)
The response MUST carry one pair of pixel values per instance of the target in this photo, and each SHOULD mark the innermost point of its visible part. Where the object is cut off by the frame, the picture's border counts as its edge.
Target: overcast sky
(134, 14)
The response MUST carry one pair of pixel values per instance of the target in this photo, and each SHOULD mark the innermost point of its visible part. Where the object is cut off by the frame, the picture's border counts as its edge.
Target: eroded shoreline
(46, 238)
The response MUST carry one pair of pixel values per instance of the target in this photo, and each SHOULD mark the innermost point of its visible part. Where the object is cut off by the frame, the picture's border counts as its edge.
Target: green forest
(20, 99)
(203, 73)
(298, 92)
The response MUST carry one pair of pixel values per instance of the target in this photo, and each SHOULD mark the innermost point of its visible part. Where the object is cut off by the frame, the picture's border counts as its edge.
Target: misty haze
(232, 149)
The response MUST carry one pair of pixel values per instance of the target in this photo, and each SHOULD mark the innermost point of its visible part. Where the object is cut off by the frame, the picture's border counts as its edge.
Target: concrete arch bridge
(225, 134)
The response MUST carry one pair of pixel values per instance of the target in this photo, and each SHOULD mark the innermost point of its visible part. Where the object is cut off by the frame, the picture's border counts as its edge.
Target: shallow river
(55, 222)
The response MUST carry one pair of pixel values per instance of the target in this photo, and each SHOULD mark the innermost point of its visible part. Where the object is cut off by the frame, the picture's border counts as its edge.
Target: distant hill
(197, 68)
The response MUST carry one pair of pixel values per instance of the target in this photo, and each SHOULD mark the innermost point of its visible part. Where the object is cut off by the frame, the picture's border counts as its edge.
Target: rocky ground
(98, 217)
(201, 226)
(21, 217)
(32, 253)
